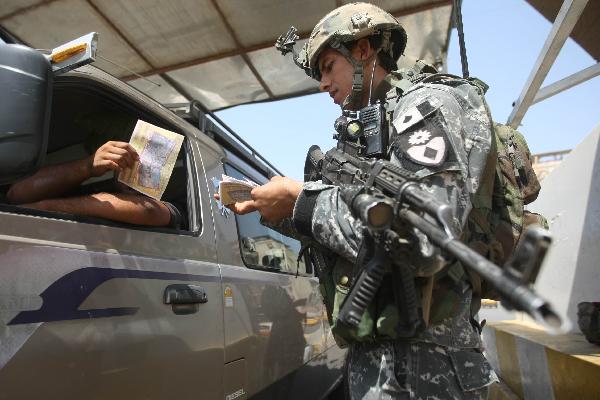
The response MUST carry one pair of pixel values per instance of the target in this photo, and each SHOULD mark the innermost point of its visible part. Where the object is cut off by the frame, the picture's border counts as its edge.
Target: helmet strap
(354, 99)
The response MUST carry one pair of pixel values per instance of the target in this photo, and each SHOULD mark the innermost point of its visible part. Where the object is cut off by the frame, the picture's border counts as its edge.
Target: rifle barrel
(518, 294)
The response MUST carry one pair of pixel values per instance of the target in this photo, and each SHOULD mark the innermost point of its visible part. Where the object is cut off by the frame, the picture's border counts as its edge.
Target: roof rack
(218, 130)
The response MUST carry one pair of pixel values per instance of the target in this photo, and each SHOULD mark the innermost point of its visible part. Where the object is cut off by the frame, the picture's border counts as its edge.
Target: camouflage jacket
(441, 130)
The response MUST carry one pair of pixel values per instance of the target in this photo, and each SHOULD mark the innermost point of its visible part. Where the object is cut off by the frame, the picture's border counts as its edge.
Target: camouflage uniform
(445, 359)
(441, 131)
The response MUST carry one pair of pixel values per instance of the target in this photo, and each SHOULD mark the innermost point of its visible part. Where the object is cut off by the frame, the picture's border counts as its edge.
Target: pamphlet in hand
(158, 149)
(233, 190)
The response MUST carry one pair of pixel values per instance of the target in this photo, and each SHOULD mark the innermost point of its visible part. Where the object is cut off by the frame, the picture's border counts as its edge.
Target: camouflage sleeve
(321, 214)
(443, 135)
(340, 235)
(285, 227)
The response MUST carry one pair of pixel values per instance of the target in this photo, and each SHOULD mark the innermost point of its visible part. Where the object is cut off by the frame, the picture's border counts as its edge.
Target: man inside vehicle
(55, 188)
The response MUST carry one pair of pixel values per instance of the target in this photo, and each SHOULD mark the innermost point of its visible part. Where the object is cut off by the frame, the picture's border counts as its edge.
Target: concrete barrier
(538, 366)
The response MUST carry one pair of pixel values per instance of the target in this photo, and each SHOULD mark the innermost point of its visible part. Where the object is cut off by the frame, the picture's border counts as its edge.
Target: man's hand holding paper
(157, 149)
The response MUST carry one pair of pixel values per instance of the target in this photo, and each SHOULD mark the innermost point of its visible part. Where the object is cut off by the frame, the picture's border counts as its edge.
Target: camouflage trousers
(402, 370)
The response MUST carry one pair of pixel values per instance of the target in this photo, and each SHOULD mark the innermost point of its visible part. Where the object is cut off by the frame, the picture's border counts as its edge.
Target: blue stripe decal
(62, 298)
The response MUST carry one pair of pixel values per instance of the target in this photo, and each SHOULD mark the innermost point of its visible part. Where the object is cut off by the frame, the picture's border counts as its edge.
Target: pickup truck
(220, 308)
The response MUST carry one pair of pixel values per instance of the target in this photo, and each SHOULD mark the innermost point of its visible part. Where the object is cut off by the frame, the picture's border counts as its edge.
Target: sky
(503, 38)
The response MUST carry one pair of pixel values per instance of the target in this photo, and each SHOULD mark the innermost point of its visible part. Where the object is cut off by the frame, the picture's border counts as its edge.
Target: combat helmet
(347, 23)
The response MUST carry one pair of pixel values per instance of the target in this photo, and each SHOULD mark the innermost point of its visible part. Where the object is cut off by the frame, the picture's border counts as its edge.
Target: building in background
(544, 163)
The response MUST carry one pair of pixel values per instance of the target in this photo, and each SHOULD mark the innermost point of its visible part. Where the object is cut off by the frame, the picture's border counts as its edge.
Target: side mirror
(25, 100)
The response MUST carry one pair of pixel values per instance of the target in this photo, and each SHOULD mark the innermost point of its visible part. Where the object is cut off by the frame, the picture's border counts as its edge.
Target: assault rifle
(384, 195)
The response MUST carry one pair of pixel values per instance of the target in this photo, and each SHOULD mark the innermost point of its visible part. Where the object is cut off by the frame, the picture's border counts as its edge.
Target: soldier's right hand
(114, 156)
(274, 200)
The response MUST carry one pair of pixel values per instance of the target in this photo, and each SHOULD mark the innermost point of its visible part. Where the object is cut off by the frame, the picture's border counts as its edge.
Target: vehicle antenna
(461, 37)
(128, 70)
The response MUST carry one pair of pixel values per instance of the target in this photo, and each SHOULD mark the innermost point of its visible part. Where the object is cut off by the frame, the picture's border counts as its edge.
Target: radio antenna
(461, 37)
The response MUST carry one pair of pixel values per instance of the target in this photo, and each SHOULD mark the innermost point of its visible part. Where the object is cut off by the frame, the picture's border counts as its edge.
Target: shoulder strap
(406, 78)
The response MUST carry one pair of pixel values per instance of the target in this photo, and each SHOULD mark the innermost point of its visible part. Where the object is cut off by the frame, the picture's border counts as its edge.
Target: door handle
(185, 294)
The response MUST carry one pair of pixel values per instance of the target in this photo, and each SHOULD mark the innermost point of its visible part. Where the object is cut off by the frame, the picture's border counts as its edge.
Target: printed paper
(158, 149)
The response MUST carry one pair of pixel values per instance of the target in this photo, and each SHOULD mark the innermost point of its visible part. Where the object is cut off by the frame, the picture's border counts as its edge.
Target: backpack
(494, 228)
(499, 229)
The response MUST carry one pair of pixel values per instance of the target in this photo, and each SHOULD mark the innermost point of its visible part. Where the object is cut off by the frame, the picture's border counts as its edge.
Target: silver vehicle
(223, 308)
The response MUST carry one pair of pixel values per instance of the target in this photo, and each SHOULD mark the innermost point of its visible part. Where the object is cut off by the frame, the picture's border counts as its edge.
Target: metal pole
(566, 19)
(567, 83)
(181, 89)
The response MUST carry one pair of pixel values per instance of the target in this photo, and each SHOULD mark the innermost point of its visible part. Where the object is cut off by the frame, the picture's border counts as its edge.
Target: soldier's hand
(240, 208)
(274, 201)
(114, 156)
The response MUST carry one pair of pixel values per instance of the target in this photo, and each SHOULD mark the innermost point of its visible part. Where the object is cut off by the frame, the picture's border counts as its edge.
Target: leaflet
(158, 149)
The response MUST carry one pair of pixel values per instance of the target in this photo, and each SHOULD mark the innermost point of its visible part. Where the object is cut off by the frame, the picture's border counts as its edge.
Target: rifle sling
(303, 212)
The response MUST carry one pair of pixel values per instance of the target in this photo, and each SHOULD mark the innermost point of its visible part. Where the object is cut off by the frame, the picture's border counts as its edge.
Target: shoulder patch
(416, 114)
(425, 143)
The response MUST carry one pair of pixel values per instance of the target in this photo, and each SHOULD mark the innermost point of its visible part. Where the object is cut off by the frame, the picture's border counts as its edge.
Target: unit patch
(431, 152)
(426, 146)
(421, 135)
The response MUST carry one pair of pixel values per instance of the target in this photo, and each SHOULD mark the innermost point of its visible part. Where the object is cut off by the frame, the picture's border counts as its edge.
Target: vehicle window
(81, 122)
(265, 248)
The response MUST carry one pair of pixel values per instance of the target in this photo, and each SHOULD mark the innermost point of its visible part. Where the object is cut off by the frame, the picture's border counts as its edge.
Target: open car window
(83, 118)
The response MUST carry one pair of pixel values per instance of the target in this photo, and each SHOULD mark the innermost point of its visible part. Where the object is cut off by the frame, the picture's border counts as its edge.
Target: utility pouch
(472, 370)
(515, 162)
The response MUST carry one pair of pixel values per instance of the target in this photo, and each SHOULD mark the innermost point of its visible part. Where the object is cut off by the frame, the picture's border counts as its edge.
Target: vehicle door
(273, 309)
(84, 311)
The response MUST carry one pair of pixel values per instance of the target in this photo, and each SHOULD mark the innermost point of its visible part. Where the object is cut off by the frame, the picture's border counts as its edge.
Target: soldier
(440, 130)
